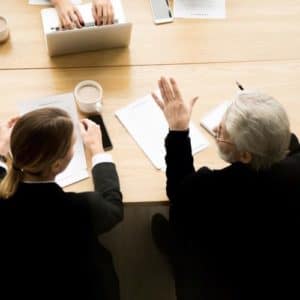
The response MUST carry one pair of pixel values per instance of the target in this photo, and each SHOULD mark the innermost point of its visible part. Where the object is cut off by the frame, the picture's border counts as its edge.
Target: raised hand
(175, 109)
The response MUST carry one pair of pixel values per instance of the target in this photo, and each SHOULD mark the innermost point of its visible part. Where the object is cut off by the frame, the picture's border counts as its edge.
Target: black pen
(239, 86)
(169, 10)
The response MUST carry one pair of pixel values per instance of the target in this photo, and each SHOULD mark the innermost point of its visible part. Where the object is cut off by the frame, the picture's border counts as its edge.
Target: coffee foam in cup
(88, 95)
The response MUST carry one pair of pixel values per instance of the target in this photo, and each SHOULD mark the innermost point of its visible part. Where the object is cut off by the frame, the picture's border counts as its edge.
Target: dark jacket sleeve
(106, 201)
(179, 160)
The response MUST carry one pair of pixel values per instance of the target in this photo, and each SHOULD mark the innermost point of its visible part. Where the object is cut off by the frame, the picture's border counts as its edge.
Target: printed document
(47, 2)
(214, 117)
(146, 123)
(201, 9)
(77, 168)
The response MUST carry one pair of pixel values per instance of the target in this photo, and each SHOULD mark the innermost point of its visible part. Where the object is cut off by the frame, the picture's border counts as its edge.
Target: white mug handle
(98, 107)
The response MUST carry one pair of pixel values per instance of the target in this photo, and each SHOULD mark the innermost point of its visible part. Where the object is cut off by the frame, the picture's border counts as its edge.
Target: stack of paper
(202, 9)
(146, 123)
(214, 117)
(77, 168)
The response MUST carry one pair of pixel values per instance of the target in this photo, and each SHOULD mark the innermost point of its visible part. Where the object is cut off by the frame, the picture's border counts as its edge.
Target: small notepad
(214, 117)
(201, 9)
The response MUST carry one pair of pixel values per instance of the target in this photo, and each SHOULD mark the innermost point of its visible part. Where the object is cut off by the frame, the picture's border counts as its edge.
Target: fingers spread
(176, 91)
(157, 100)
(167, 89)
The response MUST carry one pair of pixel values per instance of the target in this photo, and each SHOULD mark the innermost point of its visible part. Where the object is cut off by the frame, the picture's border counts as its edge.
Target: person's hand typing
(68, 14)
(103, 12)
(91, 135)
(5, 132)
(177, 112)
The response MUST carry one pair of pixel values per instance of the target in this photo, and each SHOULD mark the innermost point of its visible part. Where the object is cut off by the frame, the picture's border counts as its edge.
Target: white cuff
(3, 165)
(101, 158)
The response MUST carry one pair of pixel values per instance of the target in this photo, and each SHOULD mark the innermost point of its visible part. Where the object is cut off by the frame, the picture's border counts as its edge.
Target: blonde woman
(49, 246)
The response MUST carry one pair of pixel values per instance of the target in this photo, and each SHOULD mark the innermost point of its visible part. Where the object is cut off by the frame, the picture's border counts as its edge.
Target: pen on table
(239, 86)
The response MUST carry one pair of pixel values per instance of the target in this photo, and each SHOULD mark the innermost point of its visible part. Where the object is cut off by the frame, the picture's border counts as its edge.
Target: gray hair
(258, 124)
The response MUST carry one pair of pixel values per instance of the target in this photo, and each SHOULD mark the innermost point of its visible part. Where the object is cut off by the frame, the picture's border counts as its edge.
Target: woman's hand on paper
(177, 112)
(91, 135)
(103, 12)
(69, 15)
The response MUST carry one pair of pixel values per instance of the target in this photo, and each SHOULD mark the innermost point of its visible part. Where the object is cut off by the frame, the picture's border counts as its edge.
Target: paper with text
(214, 117)
(202, 9)
(146, 123)
(77, 168)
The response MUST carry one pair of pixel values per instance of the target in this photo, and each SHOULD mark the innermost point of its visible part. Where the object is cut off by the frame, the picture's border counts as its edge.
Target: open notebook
(77, 168)
(146, 123)
(89, 37)
(214, 117)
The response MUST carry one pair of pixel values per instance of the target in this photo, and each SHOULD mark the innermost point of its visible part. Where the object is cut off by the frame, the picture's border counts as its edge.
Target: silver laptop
(87, 38)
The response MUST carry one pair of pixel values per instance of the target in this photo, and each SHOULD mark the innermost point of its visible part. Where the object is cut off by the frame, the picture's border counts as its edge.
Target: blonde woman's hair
(38, 139)
(258, 124)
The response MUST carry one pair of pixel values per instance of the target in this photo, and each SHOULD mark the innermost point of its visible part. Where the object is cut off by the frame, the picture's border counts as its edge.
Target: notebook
(214, 117)
(147, 125)
(89, 37)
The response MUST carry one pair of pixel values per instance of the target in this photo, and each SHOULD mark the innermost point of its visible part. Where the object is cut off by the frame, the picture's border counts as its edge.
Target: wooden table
(213, 83)
(254, 30)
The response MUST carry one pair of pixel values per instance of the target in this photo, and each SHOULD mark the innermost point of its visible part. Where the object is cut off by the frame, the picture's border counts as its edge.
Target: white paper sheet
(214, 117)
(201, 9)
(77, 168)
(47, 2)
(146, 123)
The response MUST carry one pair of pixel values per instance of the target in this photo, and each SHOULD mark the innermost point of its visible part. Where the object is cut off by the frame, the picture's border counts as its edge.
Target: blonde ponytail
(10, 182)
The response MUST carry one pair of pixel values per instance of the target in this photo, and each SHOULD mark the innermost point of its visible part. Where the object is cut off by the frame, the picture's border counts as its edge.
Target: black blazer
(49, 245)
(238, 224)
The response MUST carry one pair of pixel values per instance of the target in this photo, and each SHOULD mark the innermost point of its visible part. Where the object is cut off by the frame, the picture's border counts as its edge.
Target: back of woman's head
(38, 139)
(258, 124)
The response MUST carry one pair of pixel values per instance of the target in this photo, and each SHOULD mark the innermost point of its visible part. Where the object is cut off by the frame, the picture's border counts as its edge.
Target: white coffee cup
(4, 32)
(88, 95)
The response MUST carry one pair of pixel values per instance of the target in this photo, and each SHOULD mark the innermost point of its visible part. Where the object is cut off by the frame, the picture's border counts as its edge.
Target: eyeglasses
(218, 136)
